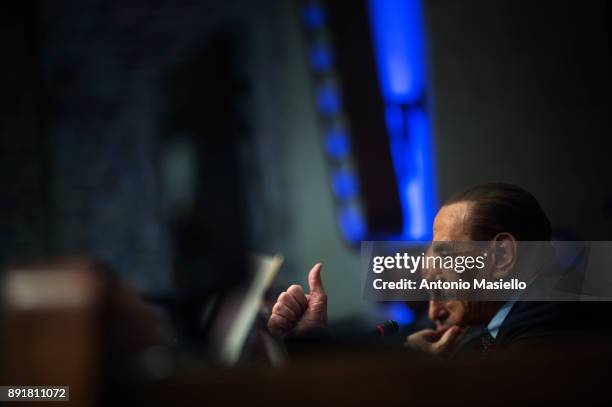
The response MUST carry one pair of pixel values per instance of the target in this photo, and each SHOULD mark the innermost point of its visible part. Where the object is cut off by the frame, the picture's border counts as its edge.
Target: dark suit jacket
(545, 324)
(536, 324)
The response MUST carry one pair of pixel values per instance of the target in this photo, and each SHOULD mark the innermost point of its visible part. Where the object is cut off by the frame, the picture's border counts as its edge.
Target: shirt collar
(499, 317)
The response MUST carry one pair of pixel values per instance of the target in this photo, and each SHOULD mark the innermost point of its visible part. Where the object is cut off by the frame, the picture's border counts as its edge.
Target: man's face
(445, 314)
(451, 224)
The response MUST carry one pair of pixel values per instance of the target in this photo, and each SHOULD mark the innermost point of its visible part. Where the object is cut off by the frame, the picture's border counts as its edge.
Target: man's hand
(297, 313)
(435, 342)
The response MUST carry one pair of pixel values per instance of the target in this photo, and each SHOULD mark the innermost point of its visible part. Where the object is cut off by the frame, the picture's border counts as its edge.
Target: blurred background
(166, 137)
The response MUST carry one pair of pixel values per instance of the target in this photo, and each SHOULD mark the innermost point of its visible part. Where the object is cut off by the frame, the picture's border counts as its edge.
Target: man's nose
(437, 310)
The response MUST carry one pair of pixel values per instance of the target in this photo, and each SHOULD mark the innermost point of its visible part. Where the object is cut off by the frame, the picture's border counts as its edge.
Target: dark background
(95, 95)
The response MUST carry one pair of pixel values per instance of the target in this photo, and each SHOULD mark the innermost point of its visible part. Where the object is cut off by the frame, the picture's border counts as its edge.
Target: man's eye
(437, 295)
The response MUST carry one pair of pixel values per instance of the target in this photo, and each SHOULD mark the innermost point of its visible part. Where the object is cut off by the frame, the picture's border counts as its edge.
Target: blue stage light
(321, 58)
(399, 52)
(412, 154)
(352, 224)
(313, 16)
(419, 181)
(337, 144)
(328, 100)
(345, 184)
(398, 44)
(400, 312)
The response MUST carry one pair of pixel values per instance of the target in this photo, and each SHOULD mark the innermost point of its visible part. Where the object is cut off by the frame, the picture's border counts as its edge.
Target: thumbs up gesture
(297, 313)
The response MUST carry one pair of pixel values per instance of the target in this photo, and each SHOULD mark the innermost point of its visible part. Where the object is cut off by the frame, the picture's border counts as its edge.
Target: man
(500, 213)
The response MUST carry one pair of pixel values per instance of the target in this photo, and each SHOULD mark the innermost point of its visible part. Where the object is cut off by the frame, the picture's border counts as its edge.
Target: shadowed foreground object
(361, 377)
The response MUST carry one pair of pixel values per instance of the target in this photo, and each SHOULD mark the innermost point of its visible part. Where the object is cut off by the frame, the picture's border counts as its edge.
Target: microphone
(387, 328)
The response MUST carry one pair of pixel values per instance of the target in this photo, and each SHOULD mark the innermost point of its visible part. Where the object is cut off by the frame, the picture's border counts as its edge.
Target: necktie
(486, 341)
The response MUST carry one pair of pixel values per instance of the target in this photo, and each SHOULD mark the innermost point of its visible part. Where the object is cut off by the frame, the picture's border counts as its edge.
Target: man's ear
(503, 256)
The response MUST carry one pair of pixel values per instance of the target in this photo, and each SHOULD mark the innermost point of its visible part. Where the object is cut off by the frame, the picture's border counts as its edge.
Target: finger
(314, 279)
(284, 311)
(279, 324)
(450, 334)
(449, 340)
(422, 338)
(429, 335)
(291, 302)
(420, 341)
(297, 292)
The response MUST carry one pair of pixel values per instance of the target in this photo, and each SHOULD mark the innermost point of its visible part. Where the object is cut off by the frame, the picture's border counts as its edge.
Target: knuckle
(274, 322)
(278, 322)
(297, 292)
(285, 311)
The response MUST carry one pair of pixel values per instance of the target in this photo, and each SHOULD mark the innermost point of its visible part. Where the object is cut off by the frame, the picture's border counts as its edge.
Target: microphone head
(387, 328)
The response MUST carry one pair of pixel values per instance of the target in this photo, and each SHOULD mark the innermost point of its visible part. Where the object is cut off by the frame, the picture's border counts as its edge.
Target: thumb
(314, 280)
(450, 339)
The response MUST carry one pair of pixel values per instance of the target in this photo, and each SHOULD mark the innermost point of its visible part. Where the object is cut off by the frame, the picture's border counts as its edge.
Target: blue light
(328, 100)
(352, 224)
(412, 159)
(313, 16)
(398, 43)
(396, 120)
(400, 312)
(419, 189)
(337, 144)
(345, 184)
(320, 58)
